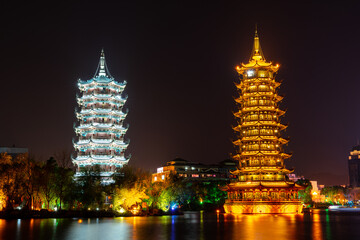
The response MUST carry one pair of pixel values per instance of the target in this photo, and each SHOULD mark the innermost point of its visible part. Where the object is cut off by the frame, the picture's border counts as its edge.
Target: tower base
(278, 207)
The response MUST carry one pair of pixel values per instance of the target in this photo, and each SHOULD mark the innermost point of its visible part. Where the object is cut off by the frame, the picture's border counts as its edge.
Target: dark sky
(178, 60)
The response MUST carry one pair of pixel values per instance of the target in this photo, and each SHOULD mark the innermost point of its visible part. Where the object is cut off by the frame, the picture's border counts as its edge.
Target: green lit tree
(305, 194)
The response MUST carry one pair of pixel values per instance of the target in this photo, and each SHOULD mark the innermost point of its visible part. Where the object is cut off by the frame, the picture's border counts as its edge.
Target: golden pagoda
(262, 185)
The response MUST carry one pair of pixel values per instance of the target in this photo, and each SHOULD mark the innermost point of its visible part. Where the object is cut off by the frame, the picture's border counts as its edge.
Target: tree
(11, 180)
(64, 180)
(30, 173)
(128, 197)
(47, 181)
(336, 194)
(213, 195)
(305, 194)
(63, 159)
(90, 190)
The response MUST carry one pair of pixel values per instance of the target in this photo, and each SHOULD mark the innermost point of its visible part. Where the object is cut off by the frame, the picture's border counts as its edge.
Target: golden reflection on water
(134, 228)
(317, 230)
(263, 226)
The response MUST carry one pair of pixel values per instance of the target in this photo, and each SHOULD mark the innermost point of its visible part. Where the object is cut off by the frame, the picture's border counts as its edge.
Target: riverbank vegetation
(30, 185)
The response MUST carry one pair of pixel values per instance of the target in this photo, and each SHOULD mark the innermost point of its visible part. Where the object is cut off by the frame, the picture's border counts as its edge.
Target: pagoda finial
(102, 69)
(257, 53)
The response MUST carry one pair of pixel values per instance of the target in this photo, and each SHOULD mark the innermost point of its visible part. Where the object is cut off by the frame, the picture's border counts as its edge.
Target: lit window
(162, 177)
(155, 179)
(250, 73)
(262, 74)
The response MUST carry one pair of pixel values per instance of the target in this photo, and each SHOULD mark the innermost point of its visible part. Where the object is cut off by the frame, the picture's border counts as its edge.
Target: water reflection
(194, 225)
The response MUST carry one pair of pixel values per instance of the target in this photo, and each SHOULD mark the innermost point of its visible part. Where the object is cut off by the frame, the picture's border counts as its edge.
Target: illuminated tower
(100, 132)
(354, 167)
(262, 185)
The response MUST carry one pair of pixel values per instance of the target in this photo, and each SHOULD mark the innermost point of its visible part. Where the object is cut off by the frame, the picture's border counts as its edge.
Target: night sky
(179, 60)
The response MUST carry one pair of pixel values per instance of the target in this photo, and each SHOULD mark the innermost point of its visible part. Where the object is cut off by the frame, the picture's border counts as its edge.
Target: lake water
(188, 226)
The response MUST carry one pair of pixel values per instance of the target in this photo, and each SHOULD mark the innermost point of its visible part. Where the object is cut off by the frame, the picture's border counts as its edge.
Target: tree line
(34, 185)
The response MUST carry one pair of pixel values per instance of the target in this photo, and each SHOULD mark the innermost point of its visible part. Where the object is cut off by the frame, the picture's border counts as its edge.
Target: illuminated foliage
(334, 194)
(305, 194)
(11, 180)
(2, 200)
(165, 200)
(128, 197)
(214, 195)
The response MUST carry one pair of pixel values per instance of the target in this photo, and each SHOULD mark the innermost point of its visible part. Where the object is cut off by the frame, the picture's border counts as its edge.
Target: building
(354, 167)
(101, 130)
(293, 177)
(262, 185)
(13, 151)
(196, 171)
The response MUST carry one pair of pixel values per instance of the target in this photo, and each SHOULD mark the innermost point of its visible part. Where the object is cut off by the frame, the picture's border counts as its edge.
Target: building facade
(196, 171)
(262, 184)
(354, 167)
(100, 133)
(13, 151)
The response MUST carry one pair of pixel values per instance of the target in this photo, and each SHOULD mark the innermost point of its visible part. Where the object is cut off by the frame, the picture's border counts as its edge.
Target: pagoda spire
(102, 69)
(257, 53)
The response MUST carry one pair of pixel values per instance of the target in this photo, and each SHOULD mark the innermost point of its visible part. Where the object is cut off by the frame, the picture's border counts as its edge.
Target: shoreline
(43, 214)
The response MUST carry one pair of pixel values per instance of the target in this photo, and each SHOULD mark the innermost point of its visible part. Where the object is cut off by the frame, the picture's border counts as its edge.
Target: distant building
(13, 151)
(196, 171)
(354, 167)
(293, 177)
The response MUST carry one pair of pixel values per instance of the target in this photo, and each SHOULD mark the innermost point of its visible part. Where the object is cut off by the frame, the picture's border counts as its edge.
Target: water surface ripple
(192, 225)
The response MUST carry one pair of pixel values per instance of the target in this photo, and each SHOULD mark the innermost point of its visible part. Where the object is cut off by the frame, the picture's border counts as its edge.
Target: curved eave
(102, 111)
(257, 64)
(267, 184)
(108, 158)
(262, 108)
(93, 99)
(102, 79)
(267, 138)
(265, 169)
(94, 128)
(263, 153)
(112, 143)
(247, 97)
(263, 123)
(285, 155)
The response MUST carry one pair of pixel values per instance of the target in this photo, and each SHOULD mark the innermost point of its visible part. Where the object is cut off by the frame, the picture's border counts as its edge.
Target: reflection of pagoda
(101, 127)
(262, 185)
